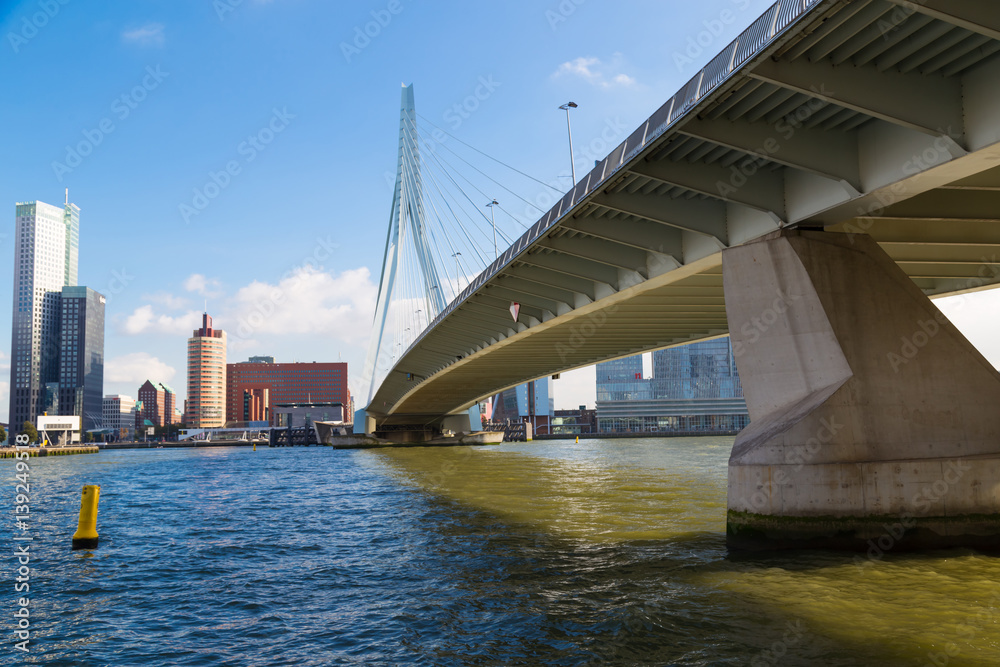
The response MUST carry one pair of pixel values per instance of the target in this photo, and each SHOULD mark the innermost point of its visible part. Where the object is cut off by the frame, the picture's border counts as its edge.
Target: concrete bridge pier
(875, 425)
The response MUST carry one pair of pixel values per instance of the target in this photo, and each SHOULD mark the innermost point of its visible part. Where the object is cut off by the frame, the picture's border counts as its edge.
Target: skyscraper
(206, 376)
(45, 260)
(81, 356)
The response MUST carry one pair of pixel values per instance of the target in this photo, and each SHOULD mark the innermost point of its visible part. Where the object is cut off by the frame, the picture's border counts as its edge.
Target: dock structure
(10, 452)
(293, 436)
(512, 431)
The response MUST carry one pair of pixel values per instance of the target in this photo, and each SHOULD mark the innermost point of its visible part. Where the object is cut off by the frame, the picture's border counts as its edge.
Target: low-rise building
(531, 402)
(119, 414)
(694, 388)
(256, 387)
(574, 422)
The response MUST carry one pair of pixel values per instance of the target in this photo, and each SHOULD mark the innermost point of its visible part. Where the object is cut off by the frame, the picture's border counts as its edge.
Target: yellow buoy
(85, 536)
(577, 439)
(255, 446)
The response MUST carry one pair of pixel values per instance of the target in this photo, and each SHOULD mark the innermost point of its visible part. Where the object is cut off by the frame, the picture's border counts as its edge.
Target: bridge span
(807, 191)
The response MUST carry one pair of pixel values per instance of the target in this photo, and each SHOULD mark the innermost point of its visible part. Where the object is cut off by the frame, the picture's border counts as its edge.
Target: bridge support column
(363, 423)
(874, 422)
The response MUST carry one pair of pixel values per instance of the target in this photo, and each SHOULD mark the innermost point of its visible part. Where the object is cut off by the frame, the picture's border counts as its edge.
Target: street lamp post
(496, 253)
(569, 130)
(457, 269)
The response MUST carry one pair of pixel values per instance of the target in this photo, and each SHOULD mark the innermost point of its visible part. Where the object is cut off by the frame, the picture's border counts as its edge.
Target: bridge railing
(769, 26)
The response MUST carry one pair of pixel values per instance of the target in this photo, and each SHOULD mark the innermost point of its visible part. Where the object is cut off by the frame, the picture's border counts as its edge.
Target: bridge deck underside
(688, 309)
(875, 116)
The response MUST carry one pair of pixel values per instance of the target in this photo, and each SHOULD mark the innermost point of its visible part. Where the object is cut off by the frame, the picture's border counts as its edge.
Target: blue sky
(235, 152)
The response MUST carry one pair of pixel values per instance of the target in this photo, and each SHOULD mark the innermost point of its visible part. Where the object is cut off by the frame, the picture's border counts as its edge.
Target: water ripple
(542, 554)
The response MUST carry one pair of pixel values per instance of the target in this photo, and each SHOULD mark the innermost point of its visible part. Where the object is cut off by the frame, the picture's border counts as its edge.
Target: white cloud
(208, 287)
(150, 34)
(144, 320)
(580, 67)
(136, 368)
(237, 344)
(595, 72)
(308, 301)
(167, 300)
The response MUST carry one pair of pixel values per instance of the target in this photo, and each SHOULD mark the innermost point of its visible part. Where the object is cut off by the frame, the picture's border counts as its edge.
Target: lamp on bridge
(457, 272)
(496, 253)
(572, 165)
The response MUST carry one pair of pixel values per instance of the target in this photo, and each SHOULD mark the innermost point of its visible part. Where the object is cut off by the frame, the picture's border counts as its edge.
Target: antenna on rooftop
(67, 196)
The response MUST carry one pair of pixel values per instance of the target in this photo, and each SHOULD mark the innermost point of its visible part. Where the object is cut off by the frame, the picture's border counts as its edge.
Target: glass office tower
(81, 356)
(46, 247)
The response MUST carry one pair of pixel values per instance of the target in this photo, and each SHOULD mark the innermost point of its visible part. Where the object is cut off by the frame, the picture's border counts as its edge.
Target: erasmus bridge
(807, 192)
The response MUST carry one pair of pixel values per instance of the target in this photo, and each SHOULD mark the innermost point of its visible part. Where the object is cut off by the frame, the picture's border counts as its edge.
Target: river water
(547, 553)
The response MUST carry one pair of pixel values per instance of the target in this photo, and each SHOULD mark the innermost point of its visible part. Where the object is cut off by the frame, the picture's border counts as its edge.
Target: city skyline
(216, 158)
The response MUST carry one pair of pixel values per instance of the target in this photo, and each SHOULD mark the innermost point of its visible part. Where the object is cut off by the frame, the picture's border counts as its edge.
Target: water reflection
(624, 540)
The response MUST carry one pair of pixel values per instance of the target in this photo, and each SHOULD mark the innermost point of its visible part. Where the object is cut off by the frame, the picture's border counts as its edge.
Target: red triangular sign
(515, 308)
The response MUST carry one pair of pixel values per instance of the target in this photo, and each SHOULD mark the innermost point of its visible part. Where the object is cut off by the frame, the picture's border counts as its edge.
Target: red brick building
(254, 387)
(158, 404)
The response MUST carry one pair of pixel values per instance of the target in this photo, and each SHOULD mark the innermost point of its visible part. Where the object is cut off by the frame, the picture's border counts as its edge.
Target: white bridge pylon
(408, 299)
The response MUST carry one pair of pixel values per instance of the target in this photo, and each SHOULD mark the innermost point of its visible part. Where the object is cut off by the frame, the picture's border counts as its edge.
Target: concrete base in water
(360, 441)
(884, 505)
(875, 534)
(872, 417)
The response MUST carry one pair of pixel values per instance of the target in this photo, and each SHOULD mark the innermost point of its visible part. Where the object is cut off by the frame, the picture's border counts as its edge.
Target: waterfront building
(695, 387)
(574, 422)
(58, 430)
(530, 402)
(301, 414)
(157, 403)
(81, 356)
(57, 338)
(119, 415)
(206, 376)
(255, 387)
